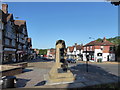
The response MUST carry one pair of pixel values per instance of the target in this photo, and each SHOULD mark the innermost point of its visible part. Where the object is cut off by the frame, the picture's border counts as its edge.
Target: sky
(73, 22)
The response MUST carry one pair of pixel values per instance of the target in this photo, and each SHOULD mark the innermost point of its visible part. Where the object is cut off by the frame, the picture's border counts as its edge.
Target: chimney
(75, 44)
(5, 8)
(104, 39)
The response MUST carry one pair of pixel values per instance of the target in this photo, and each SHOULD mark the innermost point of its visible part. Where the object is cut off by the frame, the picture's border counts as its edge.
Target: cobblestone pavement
(33, 75)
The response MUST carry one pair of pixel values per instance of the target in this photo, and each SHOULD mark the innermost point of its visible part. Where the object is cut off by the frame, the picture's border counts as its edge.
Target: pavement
(98, 73)
(106, 62)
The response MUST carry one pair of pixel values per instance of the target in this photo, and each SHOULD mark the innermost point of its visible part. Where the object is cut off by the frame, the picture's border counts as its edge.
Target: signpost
(87, 57)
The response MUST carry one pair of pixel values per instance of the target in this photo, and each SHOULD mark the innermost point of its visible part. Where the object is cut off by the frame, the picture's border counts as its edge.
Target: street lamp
(87, 56)
(87, 59)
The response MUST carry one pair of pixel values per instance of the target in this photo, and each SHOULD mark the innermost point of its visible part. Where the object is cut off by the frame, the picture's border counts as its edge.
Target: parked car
(44, 58)
(71, 60)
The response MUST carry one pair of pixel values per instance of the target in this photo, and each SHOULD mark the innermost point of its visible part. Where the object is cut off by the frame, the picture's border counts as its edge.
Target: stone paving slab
(35, 76)
(106, 62)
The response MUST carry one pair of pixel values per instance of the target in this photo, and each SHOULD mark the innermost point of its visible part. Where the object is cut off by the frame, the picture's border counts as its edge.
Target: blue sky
(72, 22)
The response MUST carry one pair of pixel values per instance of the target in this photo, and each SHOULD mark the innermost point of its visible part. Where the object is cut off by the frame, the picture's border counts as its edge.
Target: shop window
(7, 41)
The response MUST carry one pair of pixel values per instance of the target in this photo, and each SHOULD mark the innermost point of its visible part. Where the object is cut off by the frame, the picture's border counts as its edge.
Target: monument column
(59, 73)
(57, 55)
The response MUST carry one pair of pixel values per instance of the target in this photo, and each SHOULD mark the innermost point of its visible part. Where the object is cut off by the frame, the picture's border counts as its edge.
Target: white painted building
(104, 51)
(75, 52)
(51, 53)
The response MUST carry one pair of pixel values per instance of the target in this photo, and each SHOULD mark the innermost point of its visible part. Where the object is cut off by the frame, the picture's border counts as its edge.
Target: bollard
(8, 82)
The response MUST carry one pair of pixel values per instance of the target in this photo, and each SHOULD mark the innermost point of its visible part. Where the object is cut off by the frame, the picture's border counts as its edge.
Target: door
(108, 58)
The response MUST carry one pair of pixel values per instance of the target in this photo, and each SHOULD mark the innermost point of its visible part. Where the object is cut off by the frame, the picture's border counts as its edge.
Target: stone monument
(60, 72)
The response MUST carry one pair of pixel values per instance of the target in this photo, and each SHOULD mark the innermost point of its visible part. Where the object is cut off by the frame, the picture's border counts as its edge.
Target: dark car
(44, 58)
(71, 60)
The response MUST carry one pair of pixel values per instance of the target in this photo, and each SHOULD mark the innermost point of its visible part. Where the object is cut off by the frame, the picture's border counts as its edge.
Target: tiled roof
(79, 47)
(71, 48)
(92, 43)
(104, 42)
(19, 22)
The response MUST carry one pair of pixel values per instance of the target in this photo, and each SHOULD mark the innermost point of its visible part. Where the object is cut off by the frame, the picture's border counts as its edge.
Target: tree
(43, 51)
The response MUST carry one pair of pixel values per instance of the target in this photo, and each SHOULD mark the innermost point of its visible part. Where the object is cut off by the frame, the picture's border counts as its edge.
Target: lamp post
(87, 59)
(87, 56)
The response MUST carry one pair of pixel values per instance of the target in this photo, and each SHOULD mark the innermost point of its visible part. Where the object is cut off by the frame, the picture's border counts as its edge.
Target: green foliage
(43, 51)
(99, 39)
(115, 40)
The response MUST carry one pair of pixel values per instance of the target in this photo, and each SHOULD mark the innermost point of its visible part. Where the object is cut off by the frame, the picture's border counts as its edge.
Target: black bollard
(8, 82)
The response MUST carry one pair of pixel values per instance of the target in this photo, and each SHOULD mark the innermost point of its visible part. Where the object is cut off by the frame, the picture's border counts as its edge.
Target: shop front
(9, 55)
(21, 56)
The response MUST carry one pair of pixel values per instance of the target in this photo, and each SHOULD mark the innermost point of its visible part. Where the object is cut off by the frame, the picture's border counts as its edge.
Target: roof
(52, 51)
(19, 22)
(71, 48)
(92, 43)
(79, 47)
(104, 42)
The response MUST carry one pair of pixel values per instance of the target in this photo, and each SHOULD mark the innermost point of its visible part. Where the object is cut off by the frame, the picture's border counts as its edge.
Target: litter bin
(8, 82)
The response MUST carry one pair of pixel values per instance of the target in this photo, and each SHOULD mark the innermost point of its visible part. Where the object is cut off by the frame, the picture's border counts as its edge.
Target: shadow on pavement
(26, 70)
(95, 76)
(21, 82)
(41, 83)
(40, 60)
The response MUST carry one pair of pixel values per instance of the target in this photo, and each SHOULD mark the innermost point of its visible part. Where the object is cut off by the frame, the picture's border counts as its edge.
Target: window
(102, 47)
(13, 42)
(7, 41)
(112, 48)
(90, 48)
(87, 48)
(84, 48)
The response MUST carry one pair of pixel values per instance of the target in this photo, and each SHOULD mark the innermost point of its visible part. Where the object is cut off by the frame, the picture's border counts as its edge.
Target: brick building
(96, 50)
